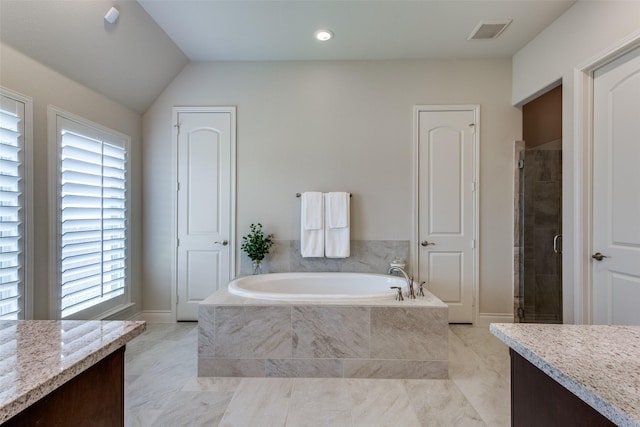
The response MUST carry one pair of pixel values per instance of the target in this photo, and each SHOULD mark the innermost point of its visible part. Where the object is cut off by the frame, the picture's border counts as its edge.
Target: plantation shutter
(12, 261)
(93, 217)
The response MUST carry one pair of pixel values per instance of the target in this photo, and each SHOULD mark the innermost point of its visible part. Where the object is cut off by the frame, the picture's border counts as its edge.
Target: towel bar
(298, 195)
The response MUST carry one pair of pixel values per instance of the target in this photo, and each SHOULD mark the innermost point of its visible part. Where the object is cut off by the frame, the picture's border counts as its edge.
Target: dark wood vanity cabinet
(538, 400)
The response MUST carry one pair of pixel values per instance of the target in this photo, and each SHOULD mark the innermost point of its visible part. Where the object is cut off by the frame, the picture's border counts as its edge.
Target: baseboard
(156, 316)
(484, 319)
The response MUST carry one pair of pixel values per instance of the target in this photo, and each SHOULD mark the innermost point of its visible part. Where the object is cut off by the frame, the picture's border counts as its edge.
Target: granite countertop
(599, 364)
(38, 356)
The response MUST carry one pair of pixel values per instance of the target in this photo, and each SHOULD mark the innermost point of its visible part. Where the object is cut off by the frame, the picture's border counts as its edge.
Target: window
(15, 223)
(91, 217)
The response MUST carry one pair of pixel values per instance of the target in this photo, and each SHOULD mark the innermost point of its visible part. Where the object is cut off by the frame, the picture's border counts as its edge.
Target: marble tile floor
(162, 389)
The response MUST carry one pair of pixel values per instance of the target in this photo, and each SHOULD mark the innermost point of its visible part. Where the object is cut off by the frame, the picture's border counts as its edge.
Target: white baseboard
(156, 316)
(484, 319)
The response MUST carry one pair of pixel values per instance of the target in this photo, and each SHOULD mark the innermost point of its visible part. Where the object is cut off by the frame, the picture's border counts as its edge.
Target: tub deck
(368, 338)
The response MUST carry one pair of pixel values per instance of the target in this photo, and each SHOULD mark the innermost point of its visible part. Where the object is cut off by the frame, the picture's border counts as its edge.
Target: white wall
(586, 30)
(335, 125)
(583, 31)
(24, 75)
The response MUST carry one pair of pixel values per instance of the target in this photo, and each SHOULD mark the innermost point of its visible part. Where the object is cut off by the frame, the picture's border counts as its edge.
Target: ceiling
(133, 60)
(364, 30)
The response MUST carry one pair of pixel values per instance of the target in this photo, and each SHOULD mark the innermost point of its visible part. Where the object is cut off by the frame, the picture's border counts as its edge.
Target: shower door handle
(556, 248)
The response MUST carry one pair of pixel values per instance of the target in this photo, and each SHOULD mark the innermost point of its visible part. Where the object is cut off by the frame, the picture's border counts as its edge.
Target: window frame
(118, 303)
(28, 251)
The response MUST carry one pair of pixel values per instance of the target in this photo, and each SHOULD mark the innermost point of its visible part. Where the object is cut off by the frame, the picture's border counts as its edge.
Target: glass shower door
(541, 234)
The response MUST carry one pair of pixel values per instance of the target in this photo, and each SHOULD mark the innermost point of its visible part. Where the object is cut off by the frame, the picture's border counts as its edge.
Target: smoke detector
(487, 30)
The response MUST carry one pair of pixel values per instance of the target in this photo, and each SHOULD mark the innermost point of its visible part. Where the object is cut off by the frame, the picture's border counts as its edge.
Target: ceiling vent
(487, 30)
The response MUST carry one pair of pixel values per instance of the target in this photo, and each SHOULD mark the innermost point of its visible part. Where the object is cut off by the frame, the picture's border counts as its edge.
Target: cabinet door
(538, 400)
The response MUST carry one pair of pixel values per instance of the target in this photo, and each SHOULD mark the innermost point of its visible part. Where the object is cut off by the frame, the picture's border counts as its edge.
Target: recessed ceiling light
(323, 35)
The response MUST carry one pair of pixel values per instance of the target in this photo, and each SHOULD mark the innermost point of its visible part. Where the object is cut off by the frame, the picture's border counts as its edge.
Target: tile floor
(162, 389)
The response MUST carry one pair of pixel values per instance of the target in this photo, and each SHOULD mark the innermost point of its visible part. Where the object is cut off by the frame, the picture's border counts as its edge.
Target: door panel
(445, 175)
(199, 267)
(204, 207)
(446, 275)
(446, 144)
(203, 166)
(616, 179)
(624, 299)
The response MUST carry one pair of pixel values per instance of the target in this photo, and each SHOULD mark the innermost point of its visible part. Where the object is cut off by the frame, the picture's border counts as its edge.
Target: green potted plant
(256, 245)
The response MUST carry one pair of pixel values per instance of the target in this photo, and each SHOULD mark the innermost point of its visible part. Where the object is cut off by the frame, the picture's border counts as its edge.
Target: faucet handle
(399, 296)
(411, 292)
(421, 289)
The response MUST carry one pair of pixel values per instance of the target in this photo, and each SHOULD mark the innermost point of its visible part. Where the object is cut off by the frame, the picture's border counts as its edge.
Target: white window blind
(12, 208)
(93, 217)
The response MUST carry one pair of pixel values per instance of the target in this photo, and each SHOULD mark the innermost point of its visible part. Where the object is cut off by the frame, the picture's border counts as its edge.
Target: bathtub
(328, 325)
(316, 286)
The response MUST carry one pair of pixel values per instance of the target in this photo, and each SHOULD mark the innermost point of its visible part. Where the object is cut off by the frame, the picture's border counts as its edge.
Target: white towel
(312, 210)
(337, 210)
(312, 224)
(337, 231)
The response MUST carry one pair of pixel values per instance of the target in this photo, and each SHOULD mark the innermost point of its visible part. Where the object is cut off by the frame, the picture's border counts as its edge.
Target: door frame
(415, 239)
(174, 209)
(583, 175)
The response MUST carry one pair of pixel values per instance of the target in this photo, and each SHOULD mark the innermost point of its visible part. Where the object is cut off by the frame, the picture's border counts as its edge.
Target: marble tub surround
(367, 256)
(38, 356)
(597, 363)
(240, 336)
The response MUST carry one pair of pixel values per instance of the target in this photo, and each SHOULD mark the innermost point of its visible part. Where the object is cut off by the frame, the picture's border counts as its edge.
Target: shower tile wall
(367, 256)
(542, 216)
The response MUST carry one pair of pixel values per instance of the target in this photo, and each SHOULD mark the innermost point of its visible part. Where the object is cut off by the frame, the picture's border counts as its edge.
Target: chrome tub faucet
(411, 293)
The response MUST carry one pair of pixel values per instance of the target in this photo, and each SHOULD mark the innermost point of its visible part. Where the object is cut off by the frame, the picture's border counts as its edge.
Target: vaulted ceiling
(132, 60)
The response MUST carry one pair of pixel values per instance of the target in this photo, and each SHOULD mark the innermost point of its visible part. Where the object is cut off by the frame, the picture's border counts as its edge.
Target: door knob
(598, 256)
(223, 243)
(425, 243)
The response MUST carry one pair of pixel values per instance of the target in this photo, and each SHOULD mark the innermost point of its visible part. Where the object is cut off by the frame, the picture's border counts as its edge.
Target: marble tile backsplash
(367, 256)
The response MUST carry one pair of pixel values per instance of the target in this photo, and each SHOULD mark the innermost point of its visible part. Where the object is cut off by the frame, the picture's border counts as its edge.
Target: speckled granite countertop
(599, 364)
(38, 356)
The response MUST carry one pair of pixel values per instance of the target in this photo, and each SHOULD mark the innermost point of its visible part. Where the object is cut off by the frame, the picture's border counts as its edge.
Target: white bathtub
(316, 286)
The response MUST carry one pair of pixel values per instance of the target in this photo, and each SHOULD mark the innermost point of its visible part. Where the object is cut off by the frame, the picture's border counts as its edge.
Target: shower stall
(538, 212)
(539, 233)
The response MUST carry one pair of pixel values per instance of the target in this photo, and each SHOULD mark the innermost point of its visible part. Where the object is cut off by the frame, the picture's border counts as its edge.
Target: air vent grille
(487, 30)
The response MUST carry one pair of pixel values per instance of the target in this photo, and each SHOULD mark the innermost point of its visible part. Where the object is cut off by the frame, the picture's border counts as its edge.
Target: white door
(205, 155)
(446, 208)
(616, 192)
